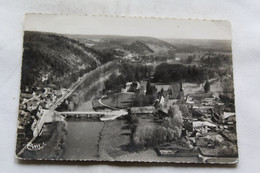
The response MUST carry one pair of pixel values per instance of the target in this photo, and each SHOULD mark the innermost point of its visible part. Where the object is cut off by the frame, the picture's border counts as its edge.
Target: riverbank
(114, 136)
(53, 138)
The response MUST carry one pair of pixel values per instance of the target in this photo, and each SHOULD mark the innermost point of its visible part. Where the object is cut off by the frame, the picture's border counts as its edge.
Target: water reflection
(83, 136)
(82, 139)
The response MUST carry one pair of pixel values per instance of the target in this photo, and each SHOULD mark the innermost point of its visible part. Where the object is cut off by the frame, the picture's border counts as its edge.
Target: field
(114, 136)
(118, 100)
(184, 56)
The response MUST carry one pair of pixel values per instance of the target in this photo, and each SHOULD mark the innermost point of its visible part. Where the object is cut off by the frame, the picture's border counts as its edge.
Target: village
(207, 121)
(204, 122)
(177, 106)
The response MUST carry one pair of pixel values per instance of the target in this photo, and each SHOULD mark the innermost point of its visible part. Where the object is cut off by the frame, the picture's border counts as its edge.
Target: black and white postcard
(100, 88)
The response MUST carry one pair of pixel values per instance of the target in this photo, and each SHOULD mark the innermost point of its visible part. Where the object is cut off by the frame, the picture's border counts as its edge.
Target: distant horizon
(161, 38)
(129, 26)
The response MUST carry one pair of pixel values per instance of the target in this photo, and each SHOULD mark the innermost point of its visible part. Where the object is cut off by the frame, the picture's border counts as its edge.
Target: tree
(185, 111)
(137, 76)
(145, 71)
(189, 60)
(162, 91)
(138, 100)
(110, 83)
(148, 87)
(207, 87)
(175, 120)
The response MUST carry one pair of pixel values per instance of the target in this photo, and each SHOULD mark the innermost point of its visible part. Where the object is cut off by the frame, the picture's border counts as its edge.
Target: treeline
(157, 57)
(128, 73)
(216, 60)
(89, 87)
(165, 73)
(135, 72)
(98, 73)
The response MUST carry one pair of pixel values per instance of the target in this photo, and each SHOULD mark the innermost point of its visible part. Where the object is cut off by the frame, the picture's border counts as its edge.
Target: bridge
(51, 115)
(104, 116)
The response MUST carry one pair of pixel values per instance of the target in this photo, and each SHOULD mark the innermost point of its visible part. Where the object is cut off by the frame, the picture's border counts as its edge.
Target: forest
(165, 73)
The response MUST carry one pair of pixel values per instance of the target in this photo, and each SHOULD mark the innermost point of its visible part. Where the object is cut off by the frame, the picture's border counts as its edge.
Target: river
(82, 140)
(83, 136)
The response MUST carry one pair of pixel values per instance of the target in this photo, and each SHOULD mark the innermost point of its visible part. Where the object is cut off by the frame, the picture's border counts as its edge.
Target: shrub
(228, 149)
(151, 135)
(175, 121)
(143, 135)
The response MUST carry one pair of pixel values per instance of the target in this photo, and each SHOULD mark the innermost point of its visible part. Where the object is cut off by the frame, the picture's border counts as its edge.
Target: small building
(131, 86)
(128, 86)
(47, 90)
(189, 100)
(229, 118)
(224, 117)
(177, 59)
(202, 126)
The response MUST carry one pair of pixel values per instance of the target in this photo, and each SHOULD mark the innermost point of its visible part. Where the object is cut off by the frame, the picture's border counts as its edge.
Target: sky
(129, 26)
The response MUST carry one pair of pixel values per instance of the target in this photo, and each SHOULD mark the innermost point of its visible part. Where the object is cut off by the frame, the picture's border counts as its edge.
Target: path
(99, 100)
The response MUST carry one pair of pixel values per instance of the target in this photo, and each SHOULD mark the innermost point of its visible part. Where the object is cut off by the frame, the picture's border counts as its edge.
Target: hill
(51, 58)
(191, 45)
(119, 45)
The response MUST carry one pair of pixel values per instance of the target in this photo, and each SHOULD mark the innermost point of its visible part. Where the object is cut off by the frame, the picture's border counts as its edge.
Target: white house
(202, 126)
(129, 85)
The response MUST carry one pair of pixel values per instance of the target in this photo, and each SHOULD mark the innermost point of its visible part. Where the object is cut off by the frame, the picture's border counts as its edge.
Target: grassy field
(192, 88)
(118, 100)
(184, 56)
(114, 136)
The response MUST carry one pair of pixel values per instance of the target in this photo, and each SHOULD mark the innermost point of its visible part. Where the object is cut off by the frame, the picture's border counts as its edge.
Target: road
(105, 115)
(99, 100)
(76, 84)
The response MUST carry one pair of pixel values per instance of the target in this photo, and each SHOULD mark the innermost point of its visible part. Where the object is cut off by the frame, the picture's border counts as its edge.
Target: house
(128, 86)
(229, 117)
(189, 100)
(162, 100)
(227, 114)
(177, 59)
(47, 90)
(31, 104)
(202, 126)
(209, 101)
(224, 117)
(131, 86)
(26, 95)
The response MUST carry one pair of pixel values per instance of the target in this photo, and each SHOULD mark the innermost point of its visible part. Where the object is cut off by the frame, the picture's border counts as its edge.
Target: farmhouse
(131, 86)
(202, 126)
